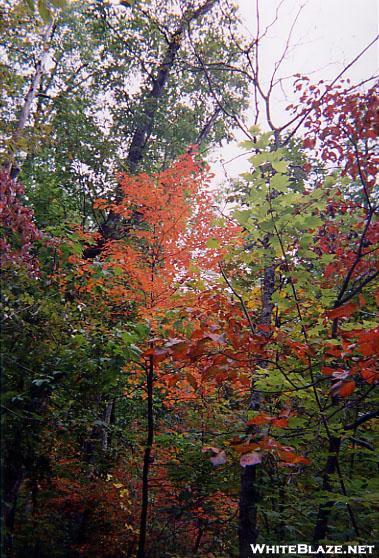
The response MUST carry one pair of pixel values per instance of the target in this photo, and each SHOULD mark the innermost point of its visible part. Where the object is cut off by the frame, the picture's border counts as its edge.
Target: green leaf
(213, 243)
(242, 216)
(280, 166)
(248, 176)
(59, 3)
(30, 4)
(248, 145)
(279, 181)
(312, 221)
(44, 11)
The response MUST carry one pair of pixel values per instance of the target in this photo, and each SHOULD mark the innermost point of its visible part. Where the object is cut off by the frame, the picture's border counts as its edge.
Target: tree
(278, 226)
(94, 52)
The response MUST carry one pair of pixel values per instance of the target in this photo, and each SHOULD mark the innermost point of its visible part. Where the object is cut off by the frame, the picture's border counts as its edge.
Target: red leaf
(327, 370)
(292, 458)
(343, 389)
(309, 143)
(371, 376)
(280, 422)
(342, 311)
(259, 419)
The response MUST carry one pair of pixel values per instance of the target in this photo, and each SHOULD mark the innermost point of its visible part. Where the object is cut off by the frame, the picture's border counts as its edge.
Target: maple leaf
(259, 419)
(342, 311)
(343, 388)
(291, 458)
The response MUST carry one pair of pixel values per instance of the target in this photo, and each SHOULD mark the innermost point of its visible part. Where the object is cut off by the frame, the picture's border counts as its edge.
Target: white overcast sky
(327, 36)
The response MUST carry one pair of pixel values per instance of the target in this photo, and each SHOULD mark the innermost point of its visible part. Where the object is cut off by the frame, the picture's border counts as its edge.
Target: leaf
(242, 216)
(309, 143)
(259, 419)
(212, 371)
(173, 341)
(252, 458)
(171, 380)
(217, 338)
(342, 311)
(247, 144)
(41, 381)
(44, 11)
(371, 376)
(213, 449)
(343, 389)
(292, 458)
(200, 348)
(280, 166)
(59, 3)
(279, 182)
(179, 350)
(213, 243)
(192, 381)
(30, 4)
(328, 370)
(280, 422)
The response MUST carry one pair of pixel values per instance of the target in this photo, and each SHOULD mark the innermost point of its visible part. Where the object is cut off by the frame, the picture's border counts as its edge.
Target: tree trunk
(247, 530)
(147, 459)
(143, 131)
(11, 485)
(249, 493)
(325, 509)
(109, 410)
(150, 105)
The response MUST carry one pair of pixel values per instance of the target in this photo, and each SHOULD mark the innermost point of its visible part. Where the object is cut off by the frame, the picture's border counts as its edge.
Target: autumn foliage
(197, 345)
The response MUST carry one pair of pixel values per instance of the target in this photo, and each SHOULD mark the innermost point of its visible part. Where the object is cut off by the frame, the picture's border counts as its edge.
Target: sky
(327, 36)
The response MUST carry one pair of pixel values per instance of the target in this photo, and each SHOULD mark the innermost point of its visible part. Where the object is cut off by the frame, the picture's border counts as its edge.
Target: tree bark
(324, 511)
(11, 485)
(147, 459)
(249, 493)
(247, 529)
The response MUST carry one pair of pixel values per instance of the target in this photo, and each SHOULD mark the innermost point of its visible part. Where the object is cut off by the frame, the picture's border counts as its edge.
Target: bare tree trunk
(107, 420)
(147, 459)
(247, 529)
(10, 489)
(325, 509)
(249, 493)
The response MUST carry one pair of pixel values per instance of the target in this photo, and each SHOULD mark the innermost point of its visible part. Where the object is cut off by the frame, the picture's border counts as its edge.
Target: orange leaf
(371, 376)
(280, 422)
(191, 380)
(259, 419)
(292, 458)
(343, 389)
